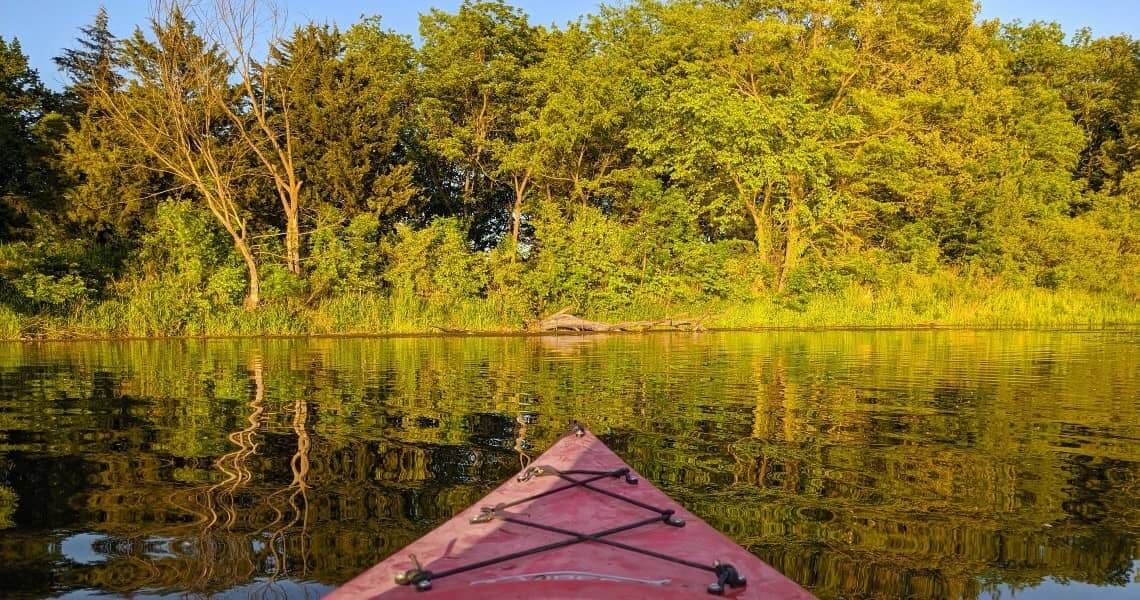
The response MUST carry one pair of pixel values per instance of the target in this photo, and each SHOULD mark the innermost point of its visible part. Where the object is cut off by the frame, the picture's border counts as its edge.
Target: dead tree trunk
(564, 321)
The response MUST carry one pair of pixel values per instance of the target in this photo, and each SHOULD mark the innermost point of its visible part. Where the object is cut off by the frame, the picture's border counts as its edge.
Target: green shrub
(9, 323)
(506, 295)
(184, 271)
(435, 265)
(49, 273)
(580, 260)
(279, 285)
(917, 244)
(676, 264)
(344, 258)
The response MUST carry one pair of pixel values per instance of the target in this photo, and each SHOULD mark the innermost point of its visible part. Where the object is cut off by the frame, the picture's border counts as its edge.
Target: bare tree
(176, 106)
(205, 108)
(243, 29)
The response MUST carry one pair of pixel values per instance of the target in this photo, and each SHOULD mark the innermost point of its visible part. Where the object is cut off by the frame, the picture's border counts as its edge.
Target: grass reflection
(862, 464)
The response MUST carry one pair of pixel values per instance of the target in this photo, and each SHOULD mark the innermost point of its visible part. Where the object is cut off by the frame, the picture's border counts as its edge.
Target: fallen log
(563, 320)
(451, 330)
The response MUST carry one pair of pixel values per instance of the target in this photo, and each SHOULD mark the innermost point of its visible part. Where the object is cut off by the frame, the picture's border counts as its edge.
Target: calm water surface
(861, 464)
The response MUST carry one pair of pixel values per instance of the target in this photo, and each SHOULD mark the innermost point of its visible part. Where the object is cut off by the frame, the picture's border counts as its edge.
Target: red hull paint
(582, 570)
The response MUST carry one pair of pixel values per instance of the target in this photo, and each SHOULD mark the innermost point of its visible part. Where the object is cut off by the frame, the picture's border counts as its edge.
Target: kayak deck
(640, 547)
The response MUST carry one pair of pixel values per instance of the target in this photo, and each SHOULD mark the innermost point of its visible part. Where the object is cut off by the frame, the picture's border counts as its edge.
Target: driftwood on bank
(564, 321)
(451, 330)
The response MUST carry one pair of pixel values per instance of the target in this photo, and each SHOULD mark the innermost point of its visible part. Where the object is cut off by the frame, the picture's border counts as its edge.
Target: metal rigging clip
(726, 574)
(487, 514)
(536, 471)
(416, 575)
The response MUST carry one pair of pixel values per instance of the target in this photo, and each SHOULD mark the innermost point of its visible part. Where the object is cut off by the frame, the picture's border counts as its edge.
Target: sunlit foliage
(752, 161)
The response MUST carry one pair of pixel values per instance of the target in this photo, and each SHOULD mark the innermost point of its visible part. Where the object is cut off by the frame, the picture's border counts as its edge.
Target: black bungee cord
(726, 574)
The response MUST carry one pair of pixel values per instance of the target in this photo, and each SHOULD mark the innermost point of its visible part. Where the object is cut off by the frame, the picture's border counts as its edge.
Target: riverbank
(370, 314)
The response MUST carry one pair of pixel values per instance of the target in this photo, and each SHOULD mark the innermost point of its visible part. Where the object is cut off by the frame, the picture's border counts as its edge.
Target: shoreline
(1075, 328)
(378, 315)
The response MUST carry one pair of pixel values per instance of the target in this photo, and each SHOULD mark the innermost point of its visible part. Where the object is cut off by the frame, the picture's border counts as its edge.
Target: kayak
(577, 523)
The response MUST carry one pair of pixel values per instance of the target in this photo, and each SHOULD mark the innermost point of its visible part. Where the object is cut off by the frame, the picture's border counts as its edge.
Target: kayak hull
(585, 569)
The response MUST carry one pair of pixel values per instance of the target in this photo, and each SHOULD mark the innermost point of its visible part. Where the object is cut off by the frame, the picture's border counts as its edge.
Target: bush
(678, 265)
(916, 244)
(279, 285)
(435, 265)
(581, 260)
(9, 323)
(344, 258)
(506, 295)
(50, 273)
(184, 270)
(1098, 251)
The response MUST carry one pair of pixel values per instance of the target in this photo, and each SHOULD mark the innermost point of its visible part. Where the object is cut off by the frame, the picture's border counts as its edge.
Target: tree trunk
(564, 321)
(253, 294)
(761, 219)
(516, 218)
(792, 241)
(791, 252)
(762, 223)
(520, 185)
(293, 241)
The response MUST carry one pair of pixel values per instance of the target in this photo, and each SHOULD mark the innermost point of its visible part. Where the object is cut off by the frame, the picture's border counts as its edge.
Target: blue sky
(46, 26)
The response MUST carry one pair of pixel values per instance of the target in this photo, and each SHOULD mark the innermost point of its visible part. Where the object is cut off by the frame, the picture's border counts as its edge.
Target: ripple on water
(860, 463)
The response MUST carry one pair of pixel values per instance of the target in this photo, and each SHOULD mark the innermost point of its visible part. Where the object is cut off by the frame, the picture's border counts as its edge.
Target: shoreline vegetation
(764, 164)
(378, 316)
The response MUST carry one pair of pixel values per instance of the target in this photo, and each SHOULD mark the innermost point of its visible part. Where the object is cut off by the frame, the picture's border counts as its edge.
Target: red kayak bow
(579, 523)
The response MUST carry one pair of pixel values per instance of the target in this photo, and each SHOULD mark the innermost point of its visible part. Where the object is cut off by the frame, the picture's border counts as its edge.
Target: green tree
(810, 121)
(571, 135)
(659, 155)
(92, 64)
(28, 125)
(1102, 86)
(111, 185)
(355, 125)
(471, 91)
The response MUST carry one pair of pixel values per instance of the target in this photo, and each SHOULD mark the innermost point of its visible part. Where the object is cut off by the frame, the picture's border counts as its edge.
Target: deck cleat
(415, 575)
(726, 575)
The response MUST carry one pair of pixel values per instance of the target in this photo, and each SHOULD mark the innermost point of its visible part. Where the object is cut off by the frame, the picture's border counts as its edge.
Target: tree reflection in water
(862, 464)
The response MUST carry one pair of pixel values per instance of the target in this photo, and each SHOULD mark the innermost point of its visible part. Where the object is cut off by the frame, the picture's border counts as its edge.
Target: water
(861, 464)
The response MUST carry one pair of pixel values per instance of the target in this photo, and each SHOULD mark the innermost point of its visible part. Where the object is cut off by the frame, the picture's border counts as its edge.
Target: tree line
(665, 155)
